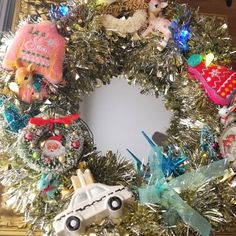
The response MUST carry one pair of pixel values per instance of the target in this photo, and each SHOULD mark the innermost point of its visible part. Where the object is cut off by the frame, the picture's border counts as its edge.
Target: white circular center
(117, 113)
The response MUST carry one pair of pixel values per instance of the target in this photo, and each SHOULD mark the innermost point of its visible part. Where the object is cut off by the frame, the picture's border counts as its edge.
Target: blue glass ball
(64, 10)
(195, 60)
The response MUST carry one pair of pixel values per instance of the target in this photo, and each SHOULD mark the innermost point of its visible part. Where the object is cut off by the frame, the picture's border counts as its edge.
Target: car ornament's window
(81, 197)
(97, 190)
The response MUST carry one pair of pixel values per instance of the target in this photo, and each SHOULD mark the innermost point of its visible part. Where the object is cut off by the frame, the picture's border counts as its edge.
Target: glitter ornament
(36, 55)
(54, 147)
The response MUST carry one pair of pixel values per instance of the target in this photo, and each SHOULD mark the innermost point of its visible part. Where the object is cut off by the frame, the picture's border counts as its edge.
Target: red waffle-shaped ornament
(219, 82)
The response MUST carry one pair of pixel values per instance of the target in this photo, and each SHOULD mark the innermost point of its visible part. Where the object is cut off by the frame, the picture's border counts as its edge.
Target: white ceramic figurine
(90, 203)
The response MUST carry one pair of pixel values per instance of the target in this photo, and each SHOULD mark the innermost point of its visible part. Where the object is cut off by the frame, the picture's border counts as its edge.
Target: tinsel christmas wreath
(187, 185)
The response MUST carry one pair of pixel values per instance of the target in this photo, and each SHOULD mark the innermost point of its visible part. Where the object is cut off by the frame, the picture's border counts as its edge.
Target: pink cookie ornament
(39, 45)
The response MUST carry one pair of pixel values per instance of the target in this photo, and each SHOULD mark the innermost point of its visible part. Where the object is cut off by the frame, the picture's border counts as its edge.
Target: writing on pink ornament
(36, 44)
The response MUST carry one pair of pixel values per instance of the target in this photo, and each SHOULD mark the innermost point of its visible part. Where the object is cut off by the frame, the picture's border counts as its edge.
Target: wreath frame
(28, 149)
(184, 98)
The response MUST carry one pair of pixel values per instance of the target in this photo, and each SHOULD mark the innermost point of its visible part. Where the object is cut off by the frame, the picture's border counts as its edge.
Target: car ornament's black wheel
(115, 203)
(73, 223)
